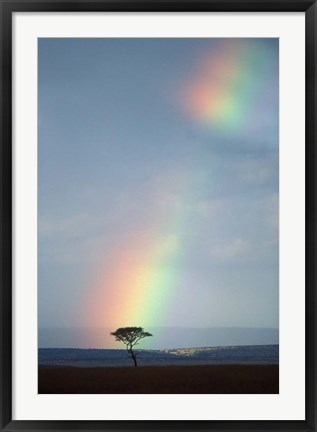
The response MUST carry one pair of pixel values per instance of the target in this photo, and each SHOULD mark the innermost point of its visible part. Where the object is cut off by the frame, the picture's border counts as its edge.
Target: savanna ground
(219, 379)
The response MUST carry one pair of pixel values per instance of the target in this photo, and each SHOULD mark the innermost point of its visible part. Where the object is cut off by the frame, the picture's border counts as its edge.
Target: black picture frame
(8, 7)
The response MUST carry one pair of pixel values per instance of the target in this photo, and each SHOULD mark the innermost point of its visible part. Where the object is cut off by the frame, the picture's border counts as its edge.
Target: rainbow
(139, 283)
(229, 85)
(138, 288)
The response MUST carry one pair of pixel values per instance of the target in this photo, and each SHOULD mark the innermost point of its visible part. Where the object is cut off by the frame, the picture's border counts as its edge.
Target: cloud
(209, 207)
(236, 248)
(76, 225)
(75, 238)
(257, 171)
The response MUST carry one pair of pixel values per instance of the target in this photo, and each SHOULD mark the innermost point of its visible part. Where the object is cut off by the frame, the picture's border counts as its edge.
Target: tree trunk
(133, 357)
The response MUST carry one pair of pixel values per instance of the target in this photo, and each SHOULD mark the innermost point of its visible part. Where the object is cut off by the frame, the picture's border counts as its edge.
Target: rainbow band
(229, 85)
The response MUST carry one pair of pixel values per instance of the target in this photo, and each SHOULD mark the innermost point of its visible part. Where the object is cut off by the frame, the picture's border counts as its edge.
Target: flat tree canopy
(130, 336)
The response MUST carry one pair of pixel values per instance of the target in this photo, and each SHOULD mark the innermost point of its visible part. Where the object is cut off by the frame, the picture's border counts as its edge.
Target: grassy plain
(218, 379)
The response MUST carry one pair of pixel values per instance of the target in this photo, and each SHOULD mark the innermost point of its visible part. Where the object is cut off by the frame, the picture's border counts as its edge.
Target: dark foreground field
(161, 379)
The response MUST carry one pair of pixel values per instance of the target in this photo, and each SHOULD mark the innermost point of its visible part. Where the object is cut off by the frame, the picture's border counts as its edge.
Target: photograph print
(158, 226)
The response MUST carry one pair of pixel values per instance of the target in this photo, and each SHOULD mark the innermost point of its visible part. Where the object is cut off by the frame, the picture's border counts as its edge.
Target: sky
(158, 183)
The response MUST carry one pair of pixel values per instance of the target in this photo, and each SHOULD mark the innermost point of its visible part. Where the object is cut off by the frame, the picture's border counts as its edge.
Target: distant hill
(163, 337)
(251, 354)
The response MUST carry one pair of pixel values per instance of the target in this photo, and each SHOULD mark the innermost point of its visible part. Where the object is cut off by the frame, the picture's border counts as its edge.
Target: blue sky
(122, 165)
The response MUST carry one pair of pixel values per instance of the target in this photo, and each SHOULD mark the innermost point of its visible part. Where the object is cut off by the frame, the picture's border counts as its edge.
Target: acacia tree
(130, 336)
